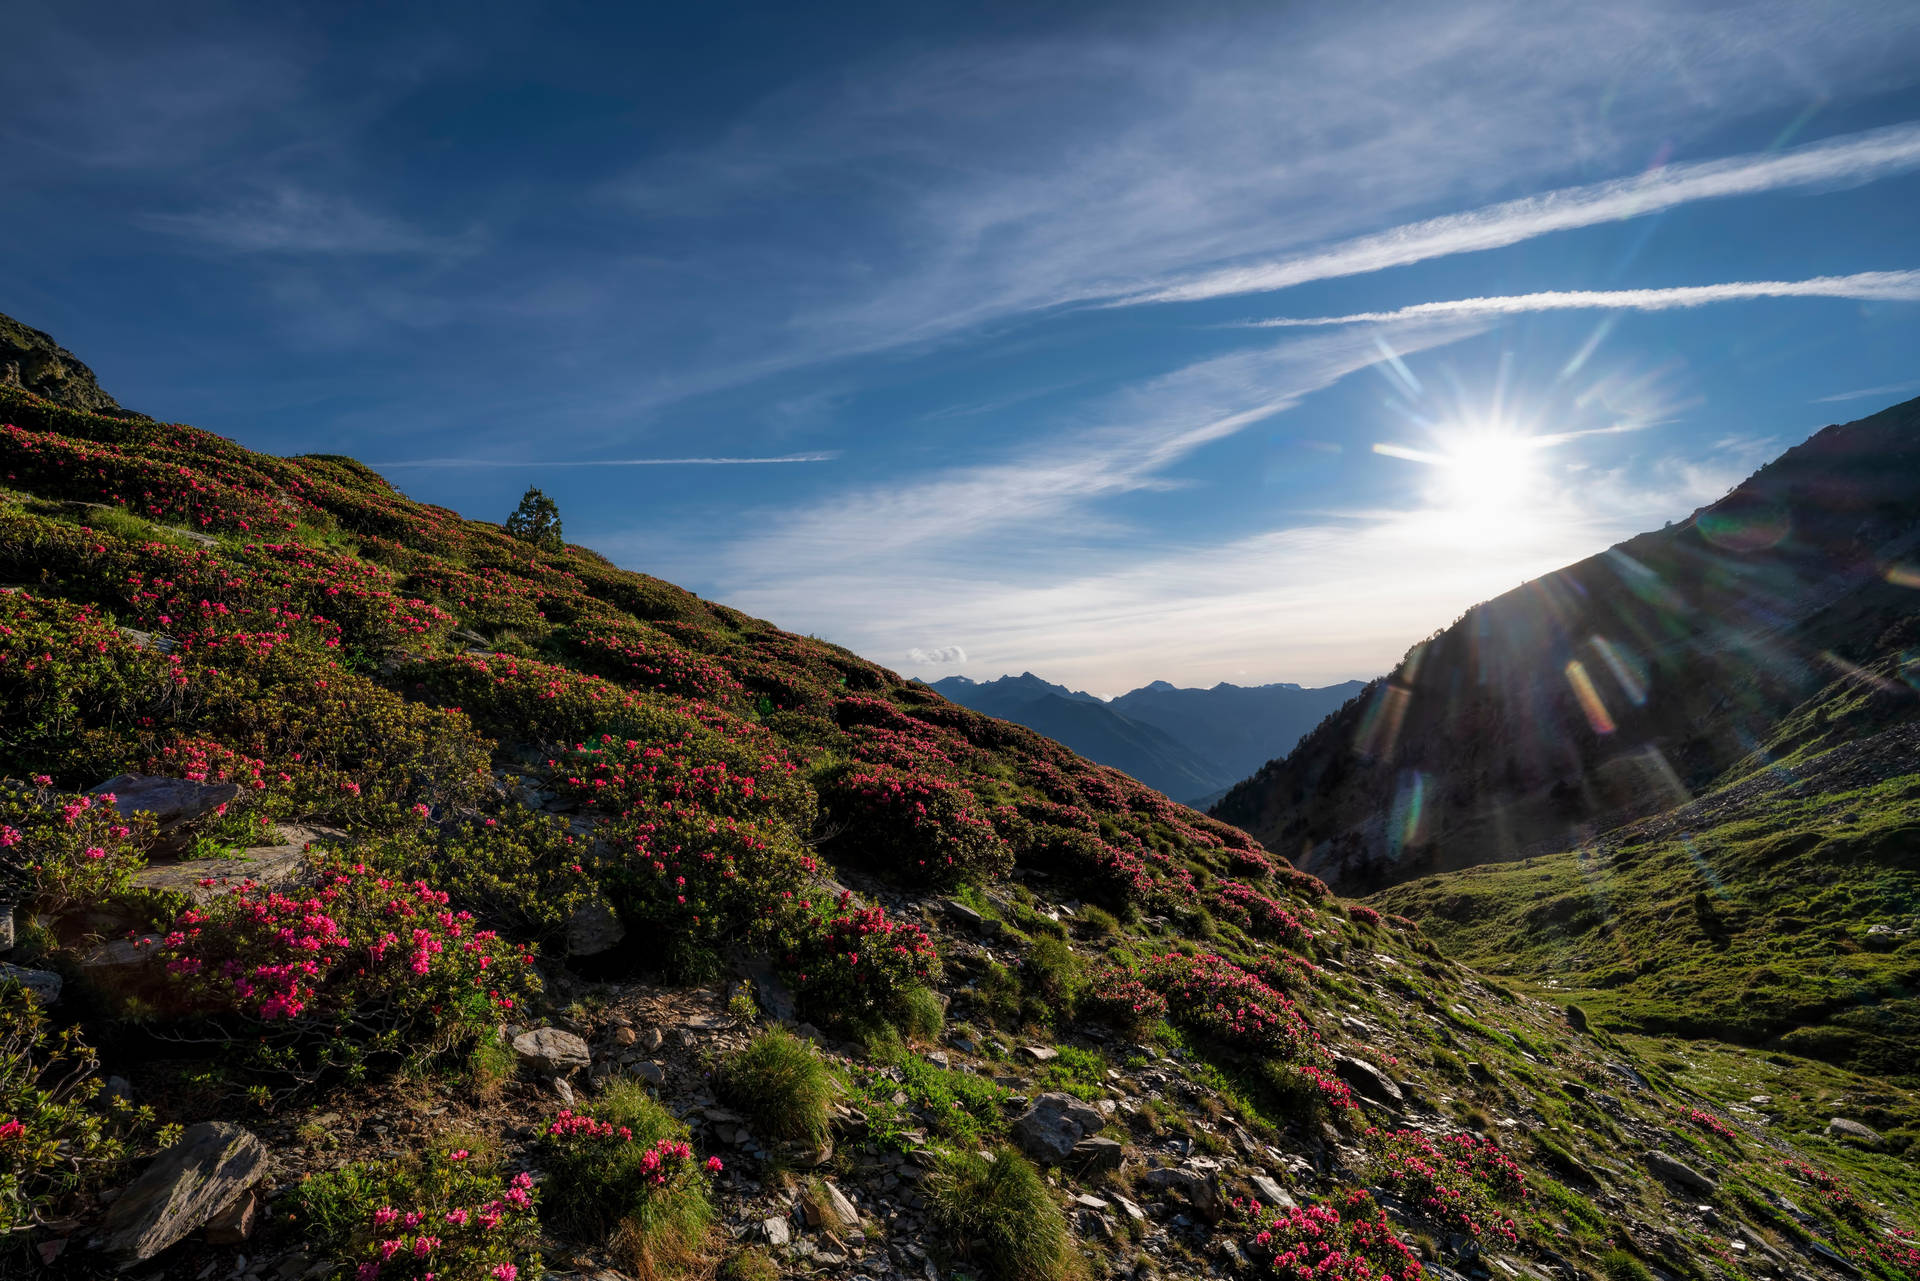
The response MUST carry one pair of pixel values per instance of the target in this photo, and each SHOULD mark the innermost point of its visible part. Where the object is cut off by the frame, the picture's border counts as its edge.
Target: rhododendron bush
(1459, 1182)
(448, 1215)
(1217, 999)
(386, 966)
(59, 850)
(848, 960)
(1346, 1238)
(922, 828)
(623, 1158)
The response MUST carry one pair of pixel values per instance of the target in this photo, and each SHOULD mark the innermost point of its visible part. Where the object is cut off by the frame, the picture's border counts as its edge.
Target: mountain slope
(1618, 686)
(1091, 728)
(1241, 727)
(1188, 743)
(394, 867)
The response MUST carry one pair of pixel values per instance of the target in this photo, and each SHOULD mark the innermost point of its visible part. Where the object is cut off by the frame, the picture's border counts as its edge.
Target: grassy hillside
(508, 911)
(1618, 686)
(1780, 909)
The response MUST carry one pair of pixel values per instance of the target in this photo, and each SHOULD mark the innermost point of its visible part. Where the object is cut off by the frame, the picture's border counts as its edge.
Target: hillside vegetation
(396, 899)
(1617, 687)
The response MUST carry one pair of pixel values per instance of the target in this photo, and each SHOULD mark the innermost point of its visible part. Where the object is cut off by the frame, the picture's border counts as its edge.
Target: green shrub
(59, 1140)
(60, 851)
(1002, 1208)
(524, 871)
(1619, 1265)
(450, 1214)
(1053, 977)
(922, 1014)
(780, 1082)
(623, 1157)
(751, 1264)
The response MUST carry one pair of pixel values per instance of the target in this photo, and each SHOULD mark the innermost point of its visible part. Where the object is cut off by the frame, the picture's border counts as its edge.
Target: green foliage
(59, 1140)
(1619, 1265)
(1052, 974)
(622, 1157)
(751, 1264)
(961, 1107)
(781, 1084)
(60, 851)
(524, 872)
(446, 1213)
(1081, 1073)
(537, 520)
(998, 1212)
(921, 1014)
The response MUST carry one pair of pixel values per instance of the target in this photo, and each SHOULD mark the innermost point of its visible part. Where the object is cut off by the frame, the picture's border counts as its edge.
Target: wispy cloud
(518, 464)
(1847, 160)
(289, 219)
(1890, 389)
(1876, 286)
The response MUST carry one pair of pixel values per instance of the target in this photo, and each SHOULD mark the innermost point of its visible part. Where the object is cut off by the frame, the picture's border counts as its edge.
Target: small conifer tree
(537, 520)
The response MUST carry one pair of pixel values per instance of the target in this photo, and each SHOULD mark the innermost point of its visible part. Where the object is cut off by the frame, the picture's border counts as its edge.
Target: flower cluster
(445, 1216)
(1837, 1196)
(1212, 996)
(67, 849)
(1459, 1183)
(1362, 913)
(918, 826)
(1264, 916)
(848, 960)
(1898, 1253)
(1346, 1238)
(1120, 998)
(601, 1170)
(363, 954)
(1713, 1125)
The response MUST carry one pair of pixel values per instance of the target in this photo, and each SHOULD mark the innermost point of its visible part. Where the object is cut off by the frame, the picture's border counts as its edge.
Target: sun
(1485, 486)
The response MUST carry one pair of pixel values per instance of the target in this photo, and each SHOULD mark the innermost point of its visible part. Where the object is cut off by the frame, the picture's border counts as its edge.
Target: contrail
(610, 462)
(1875, 286)
(1847, 160)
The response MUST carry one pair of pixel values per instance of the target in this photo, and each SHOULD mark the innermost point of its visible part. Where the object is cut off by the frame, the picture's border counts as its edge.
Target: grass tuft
(781, 1084)
(1001, 1211)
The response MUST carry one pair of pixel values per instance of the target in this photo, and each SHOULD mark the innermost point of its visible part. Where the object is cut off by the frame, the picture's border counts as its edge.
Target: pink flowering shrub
(1215, 998)
(1898, 1253)
(848, 961)
(1260, 915)
(1713, 1125)
(1121, 999)
(1363, 914)
(447, 1215)
(72, 686)
(363, 964)
(1460, 1183)
(59, 851)
(1833, 1193)
(1346, 1238)
(622, 1157)
(924, 829)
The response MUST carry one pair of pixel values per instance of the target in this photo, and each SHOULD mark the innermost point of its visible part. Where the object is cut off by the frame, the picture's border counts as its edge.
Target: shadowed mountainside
(1619, 686)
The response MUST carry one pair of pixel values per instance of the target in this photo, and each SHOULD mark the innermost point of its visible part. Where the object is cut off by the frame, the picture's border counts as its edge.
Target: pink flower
(505, 1271)
(12, 1130)
(714, 1166)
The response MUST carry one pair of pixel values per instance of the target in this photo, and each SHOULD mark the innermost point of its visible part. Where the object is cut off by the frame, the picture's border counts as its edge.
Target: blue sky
(998, 282)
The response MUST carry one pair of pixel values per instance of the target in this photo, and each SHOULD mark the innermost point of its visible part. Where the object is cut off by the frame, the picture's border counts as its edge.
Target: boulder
(175, 803)
(1271, 1194)
(44, 984)
(594, 928)
(1678, 1172)
(1367, 1080)
(6, 927)
(826, 1206)
(776, 1231)
(1039, 1053)
(1854, 1132)
(1095, 1156)
(197, 1180)
(1198, 1183)
(549, 1051)
(1052, 1125)
(278, 867)
(237, 1222)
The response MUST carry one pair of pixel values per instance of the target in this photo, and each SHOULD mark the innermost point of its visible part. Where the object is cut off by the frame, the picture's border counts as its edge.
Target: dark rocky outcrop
(33, 361)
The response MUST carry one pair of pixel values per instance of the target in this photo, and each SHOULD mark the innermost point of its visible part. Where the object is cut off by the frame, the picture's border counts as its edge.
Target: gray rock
(1050, 1127)
(776, 1231)
(1271, 1194)
(1841, 1128)
(44, 984)
(278, 867)
(552, 1052)
(6, 927)
(175, 803)
(1197, 1183)
(594, 928)
(652, 1073)
(214, 1164)
(1367, 1080)
(1095, 1156)
(826, 1206)
(1678, 1172)
(1040, 1053)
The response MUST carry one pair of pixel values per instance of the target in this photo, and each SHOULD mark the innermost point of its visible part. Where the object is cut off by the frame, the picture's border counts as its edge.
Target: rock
(552, 1052)
(278, 867)
(6, 927)
(31, 360)
(1095, 1156)
(1841, 1128)
(652, 1073)
(1197, 1183)
(624, 1036)
(960, 914)
(193, 1182)
(562, 1090)
(1054, 1123)
(1271, 1194)
(44, 984)
(1367, 1080)
(1039, 1053)
(175, 803)
(594, 928)
(121, 954)
(237, 1222)
(776, 1231)
(1678, 1172)
(149, 640)
(1129, 1209)
(826, 1206)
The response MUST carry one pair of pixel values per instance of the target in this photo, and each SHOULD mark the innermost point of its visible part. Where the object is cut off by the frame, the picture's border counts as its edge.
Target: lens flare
(1596, 711)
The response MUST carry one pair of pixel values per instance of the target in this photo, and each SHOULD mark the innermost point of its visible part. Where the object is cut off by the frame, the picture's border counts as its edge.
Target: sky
(1112, 342)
